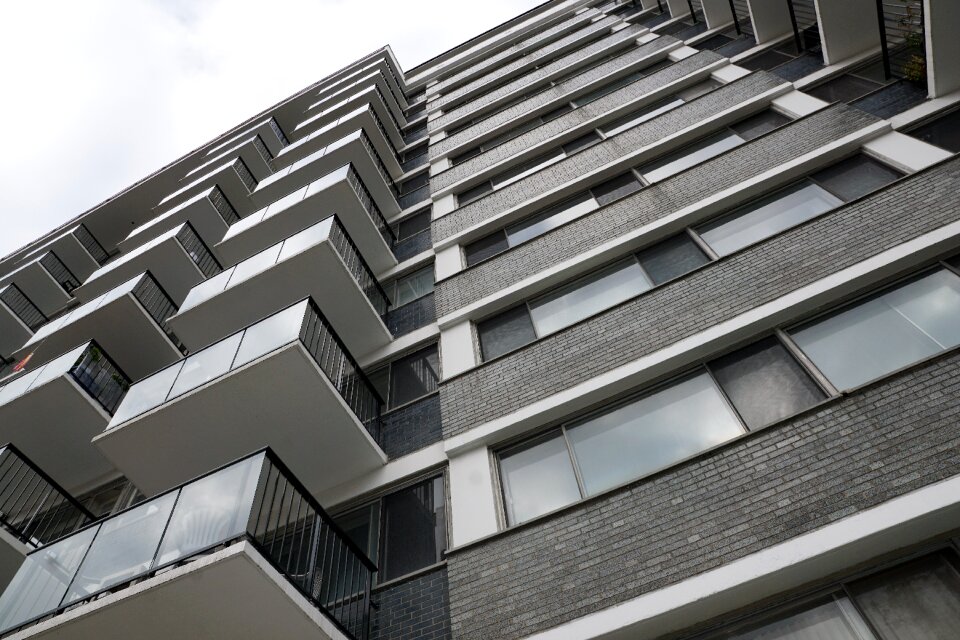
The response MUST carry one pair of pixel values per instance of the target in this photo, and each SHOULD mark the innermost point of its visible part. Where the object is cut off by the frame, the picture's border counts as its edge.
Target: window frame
(391, 287)
(388, 367)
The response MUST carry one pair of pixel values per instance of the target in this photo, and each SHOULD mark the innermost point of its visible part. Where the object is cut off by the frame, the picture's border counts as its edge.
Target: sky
(99, 93)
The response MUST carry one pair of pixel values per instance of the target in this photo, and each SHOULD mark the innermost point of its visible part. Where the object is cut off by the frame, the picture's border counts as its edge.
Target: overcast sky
(99, 93)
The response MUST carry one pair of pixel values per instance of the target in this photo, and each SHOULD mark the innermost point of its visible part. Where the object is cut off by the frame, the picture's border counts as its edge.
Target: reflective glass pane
(42, 580)
(756, 126)
(581, 143)
(943, 132)
(588, 296)
(414, 529)
(845, 88)
(831, 620)
(271, 333)
(641, 115)
(362, 526)
(309, 237)
(485, 248)
(767, 216)
(413, 286)
(123, 549)
(885, 332)
(206, 365)
(689, 156)
(212, 510)
(551, 218)
(616, 188)
(474, 192)
(855, 177)
(526, 168)
(414, 376)
(671, 258)
(698, 89)
(505, 332)
(207, 289)
(651, 433)
(765, 383)
(146, 394)
(538, 479)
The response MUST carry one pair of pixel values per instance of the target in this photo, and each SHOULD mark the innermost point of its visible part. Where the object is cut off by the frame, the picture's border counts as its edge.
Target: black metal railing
(223, 206)
(377, 161)
(91, 244)
(341, 369)
(198, 251)
(246, 177)
(358, 267)
(279, 132)
(367, 202)
(264, 152)
(903, 40)
(255, 500)
(99, 376)
(158, 305)
(383, 129)
(33, 507)
(59, 272)
(22, 307)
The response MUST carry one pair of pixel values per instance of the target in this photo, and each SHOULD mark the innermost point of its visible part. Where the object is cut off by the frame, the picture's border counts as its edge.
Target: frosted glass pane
(689, 156)
(146, 394)
(551, 219)
(254, 265)
(206, 365)
(537, 480)
(271, 333)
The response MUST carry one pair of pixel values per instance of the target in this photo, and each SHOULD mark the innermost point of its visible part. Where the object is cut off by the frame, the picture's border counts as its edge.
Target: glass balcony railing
(22, 307)
(34, 508)
(254, 500)
(301, 322)
(89, 366)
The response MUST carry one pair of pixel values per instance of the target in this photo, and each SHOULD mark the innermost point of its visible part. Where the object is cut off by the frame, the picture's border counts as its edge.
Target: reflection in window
(537, 479)
(411, 287)
(408, 378)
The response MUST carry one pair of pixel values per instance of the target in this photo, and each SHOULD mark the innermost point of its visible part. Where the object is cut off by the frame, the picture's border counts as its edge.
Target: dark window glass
(846, 88)
(756, 126)
(475, 192)
(485, 248)
(362, 526)
(412, 225)
(466, 155)
(414, 376)
(556, 113)
(415, 182)
(581, 143)
(505, 332)
(616, 188)
(380, 379)
(671, 258)
(657, 66)
(765, 61)
(414, 529)
(765, 383)
(854, 177)
(943, 132)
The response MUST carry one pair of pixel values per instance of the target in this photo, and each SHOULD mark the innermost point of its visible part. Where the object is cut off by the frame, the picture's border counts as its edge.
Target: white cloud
(100, 93)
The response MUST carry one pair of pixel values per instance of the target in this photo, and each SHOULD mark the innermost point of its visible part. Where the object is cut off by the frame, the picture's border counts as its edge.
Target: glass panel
(689, 156)
(585, 297)
(413, 286)
(380, 379)
(309, 237)
(641, 115)
(124, 548)
(581, 143)
(526, 168)
(856, 176)
(485, 248)
(767, 216)
(269, 334)
(698, 89)
(414, 528)
(885, 332)
(285, 202)
(413, 225)
(551, 218)
(943, 132)
(672, 258)
(206, 365)
(58, 366)
(845, 88)
(765, 383)
(19, 386)
(414, 376)
(362, 526)
(505, 332)
(212, 510)
(146, 394)
(474, 192)
(43, 579)
(651, 433)
(919, 600)
(822, 621)
(756, 126)
(616, 188)
(538, 479)
(206, 289)
(254, 265)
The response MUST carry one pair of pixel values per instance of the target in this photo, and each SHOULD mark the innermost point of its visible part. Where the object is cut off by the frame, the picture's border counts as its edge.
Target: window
(885, 331)
(408, 378)
(403, 531)
(111, 497)
(411, 287)
(414, 183)
(537, 479)
(852, 85)
(505, 332)
(943, 131)
(412, 225)
(651, 111)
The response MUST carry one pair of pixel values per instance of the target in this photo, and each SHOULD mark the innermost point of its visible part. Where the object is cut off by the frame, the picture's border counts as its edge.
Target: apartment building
(624, 319)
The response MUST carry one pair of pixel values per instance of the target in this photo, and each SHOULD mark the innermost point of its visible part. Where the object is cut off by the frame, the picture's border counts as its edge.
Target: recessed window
(505, 332)
(856, 176)
(552, 218)
(615, 188)
(671, 258)
(412, 225)
(408, 378)
(537, 479)
(474, 193)
(852, 85)
(485, 248)
(526, 168)
(410, 287)
(943, 131)
(639, 116)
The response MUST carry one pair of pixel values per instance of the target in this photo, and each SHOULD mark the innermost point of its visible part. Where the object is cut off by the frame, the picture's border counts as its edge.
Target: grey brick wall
(539, 77)
(609, 150)
(552, 97)
(720, 291)
(849, 455)
(417, 609)
(412, 427)
(569, 122)
(652, 203)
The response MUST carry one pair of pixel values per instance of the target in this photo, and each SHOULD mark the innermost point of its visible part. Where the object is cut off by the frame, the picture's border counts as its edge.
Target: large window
(943, 131)
(403, 531)
(408, 378)
(410, 287)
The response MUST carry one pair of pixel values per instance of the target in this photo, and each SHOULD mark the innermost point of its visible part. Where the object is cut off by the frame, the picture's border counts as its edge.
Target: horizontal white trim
(406, 342)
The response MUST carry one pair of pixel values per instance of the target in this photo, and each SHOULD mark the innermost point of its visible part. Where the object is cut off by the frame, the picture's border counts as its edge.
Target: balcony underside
(167, 262)
(226, 178)
(13, 333)
(199, 212)
(233, 594)
(282, 400)
(247, 151)
(334, 106)
(38, 285)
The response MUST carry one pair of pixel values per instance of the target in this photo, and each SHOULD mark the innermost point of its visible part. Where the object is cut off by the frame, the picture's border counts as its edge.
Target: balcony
(269, 132)
(46, 281)
(178, 259)
(19, 318)
(34, 510)
(129, 321)
(250, 148)
(209, 213)
(286, 382)
(242, 552)
(321, 262)
(342, 192)
(80, 252)
(335, 105)
(233, 177)
(53, 411)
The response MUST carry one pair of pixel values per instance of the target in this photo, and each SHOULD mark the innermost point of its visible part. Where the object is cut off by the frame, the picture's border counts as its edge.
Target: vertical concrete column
(651, 4)
(770, 19)
(942, 29)
(847, 28)
(678, 8)
(472, 501)
(717, 13)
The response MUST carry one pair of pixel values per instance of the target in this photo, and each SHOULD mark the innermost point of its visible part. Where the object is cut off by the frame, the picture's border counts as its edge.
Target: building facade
(625, 319)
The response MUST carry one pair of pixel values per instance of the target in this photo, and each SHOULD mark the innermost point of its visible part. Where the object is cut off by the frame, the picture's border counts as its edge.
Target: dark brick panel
(414, 245)
(411, 316)
(650, 204)
(850, 455)
(716, 293)
(412, 427)
(608, 151)
(417, 609)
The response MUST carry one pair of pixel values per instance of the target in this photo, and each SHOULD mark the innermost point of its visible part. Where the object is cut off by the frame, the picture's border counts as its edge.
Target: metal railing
(22, 307)
(246, 177)
(358, 267)
(91, 244)
(59, 272)
(367, 202)
(264, 152)
(158, 305)
(902, 39)
(198, 251)
(375, 156)
(279, 132)
(33, 507)
(99, 376)
(255, 500)
(223, 206)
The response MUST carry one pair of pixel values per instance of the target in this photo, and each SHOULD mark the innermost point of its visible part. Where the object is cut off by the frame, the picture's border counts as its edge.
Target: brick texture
(601, 154)
(412, 427)
(847, 456)
(411, 316)
(650, 204)
(718, 292)
(417, 609)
